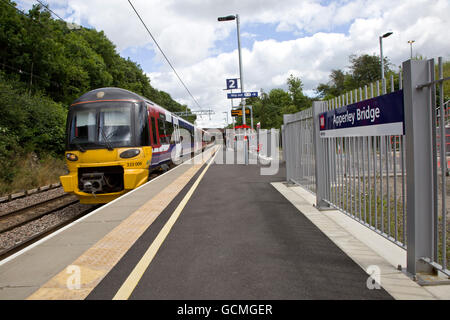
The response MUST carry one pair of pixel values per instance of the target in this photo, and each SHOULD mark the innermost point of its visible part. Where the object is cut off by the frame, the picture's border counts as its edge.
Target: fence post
(282, 143)
(419, 165)
(319, 156)
(287, 146)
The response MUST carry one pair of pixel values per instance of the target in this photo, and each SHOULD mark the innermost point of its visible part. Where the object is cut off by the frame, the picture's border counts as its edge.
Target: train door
(164, 137)
(154, 136)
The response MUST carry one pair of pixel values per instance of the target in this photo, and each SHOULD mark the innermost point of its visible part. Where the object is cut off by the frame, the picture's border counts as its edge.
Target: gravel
(20, 234)
(34, 198)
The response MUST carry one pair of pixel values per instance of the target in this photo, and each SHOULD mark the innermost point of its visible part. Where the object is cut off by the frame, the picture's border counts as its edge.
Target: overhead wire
(22, 13)
(20, 71)
(164, 55)
(48, 9)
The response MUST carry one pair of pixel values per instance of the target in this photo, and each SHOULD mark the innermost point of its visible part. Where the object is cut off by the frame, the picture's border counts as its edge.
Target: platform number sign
(232, 84)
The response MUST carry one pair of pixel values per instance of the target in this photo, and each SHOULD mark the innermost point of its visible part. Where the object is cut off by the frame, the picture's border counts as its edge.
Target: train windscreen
(101, 125)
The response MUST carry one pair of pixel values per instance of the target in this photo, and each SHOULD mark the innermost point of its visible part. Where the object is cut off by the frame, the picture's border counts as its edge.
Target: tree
(295, 88)
(364, 70)
(268, 108)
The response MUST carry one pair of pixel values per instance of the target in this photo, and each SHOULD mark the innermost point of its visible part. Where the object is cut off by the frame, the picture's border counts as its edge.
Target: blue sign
(242, 95)
(232, 84)
(379, 116)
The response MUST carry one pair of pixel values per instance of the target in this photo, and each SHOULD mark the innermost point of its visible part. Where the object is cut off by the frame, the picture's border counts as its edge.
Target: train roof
(108, 94)
(117, 94)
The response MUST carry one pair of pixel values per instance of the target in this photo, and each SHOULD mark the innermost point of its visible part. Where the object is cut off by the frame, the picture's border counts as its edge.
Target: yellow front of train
(108, 151)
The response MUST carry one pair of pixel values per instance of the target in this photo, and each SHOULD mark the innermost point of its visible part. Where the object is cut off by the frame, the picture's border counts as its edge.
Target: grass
(388, 224)
(30, 172)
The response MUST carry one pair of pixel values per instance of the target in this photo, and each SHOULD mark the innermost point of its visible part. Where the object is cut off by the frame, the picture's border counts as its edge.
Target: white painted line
(135, 276)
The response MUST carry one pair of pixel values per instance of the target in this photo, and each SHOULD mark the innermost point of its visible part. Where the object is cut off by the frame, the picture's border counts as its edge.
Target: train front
(107, 147)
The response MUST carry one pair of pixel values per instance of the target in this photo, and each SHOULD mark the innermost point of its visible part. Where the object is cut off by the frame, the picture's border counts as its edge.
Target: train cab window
(142, 130)
(85, 125)
(115, 124)
(163, 137)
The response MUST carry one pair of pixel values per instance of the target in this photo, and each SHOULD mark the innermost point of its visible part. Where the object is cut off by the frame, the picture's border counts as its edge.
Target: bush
(29, 124)
(31, 172)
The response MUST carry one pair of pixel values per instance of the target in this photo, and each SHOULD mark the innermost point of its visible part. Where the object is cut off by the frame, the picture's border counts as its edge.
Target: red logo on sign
(322, 122)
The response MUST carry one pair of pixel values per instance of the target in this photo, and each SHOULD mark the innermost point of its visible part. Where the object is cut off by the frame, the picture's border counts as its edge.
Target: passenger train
(115, 138)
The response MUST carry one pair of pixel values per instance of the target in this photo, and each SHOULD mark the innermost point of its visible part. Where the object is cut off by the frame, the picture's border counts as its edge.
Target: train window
(85, 125)
(169, 130)
(176, 133)
(155, 139)
(115, 124)
(163, 137)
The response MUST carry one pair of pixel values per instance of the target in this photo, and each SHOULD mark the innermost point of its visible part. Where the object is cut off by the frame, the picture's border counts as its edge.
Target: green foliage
(269, 108)
(35, 123)
(48, 57)
(364, 70)
(44, 66)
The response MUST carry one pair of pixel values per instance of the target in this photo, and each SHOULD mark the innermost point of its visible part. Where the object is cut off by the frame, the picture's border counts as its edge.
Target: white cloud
(324, 34)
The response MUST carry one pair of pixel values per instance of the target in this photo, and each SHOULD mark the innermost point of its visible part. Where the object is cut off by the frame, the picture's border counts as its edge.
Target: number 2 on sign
(232, 84)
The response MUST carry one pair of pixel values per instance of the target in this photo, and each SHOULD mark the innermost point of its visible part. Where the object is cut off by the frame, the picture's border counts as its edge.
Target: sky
(305, 38)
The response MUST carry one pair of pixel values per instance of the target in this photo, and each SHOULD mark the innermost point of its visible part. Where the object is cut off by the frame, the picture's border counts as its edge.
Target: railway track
(19, 217)
(47, 230)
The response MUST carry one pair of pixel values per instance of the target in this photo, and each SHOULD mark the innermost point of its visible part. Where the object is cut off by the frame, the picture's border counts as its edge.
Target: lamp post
(230, 18)
(382, 60)
(410, 44)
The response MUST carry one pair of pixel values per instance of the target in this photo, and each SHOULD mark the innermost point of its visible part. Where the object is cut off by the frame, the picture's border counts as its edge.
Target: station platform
(200, 231)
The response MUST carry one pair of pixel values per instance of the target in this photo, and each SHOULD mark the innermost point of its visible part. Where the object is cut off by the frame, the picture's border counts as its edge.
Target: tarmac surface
(238, 238)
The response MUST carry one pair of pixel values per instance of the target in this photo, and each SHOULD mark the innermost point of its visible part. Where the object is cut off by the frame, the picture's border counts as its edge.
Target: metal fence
(298, 149)
(397, 185)
(364, 176)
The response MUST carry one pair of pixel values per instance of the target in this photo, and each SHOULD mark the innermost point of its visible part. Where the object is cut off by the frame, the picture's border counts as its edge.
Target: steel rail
(19, 217)
(37, 236)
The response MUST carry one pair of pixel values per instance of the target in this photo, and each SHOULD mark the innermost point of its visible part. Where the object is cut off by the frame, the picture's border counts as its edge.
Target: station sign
(232, 84)
(242, 95)
(379, 116)
(238, 112)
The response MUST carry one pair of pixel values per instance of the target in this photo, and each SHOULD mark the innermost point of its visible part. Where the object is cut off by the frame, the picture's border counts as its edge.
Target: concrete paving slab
(37, 266)
(91, 231)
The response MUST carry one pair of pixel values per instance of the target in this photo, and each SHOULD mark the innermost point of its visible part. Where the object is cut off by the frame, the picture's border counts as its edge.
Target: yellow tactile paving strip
(93, 265)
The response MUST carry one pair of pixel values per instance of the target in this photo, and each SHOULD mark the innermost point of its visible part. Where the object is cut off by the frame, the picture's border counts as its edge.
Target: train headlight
(71, 157)
(130, 153)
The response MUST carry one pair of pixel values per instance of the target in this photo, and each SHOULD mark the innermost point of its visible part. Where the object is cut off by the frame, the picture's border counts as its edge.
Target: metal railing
(299, 149)
(365, 175)
(397, 185)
